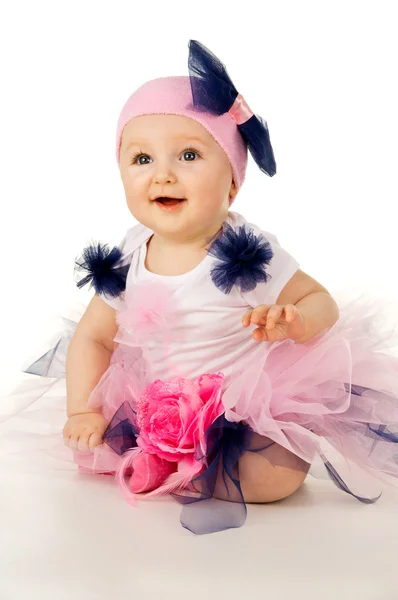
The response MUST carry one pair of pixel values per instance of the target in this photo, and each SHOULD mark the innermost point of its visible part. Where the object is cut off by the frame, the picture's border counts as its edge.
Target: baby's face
(174, 156)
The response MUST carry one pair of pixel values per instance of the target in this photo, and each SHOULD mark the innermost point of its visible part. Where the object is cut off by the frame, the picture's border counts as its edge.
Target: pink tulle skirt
(332, 401)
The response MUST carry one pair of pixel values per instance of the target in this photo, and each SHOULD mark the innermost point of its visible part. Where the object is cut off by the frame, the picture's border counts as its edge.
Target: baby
(181, 168)
(167, 387)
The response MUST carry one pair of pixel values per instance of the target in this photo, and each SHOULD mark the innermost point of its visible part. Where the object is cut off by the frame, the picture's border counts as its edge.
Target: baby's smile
(169, 204)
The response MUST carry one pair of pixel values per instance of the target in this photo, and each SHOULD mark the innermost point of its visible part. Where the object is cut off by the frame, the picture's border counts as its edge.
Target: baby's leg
(265, 476)
(277, 475)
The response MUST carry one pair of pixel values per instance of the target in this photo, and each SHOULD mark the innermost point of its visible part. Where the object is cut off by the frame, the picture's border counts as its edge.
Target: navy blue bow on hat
(213, 91)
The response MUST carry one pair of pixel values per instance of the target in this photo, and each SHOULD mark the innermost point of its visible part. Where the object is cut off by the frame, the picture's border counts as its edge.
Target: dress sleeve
(281, 268)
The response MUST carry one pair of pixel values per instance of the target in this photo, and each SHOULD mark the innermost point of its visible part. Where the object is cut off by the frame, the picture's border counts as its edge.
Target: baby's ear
(233, 190)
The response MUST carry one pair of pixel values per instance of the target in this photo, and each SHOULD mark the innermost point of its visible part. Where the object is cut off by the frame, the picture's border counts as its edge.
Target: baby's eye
(137, 159)
(189, 154)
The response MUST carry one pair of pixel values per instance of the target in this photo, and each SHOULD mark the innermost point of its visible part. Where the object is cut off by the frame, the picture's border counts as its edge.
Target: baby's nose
(164, 174)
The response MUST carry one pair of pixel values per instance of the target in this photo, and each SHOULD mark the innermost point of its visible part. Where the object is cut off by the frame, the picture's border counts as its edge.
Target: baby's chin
(181, 224)
(164, 222)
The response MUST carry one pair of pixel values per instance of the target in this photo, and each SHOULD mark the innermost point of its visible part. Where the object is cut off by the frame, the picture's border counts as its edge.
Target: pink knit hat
(173, 96)
(208, 96)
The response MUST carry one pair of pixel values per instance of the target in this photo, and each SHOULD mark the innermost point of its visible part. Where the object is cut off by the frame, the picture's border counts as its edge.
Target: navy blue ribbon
(214, 92)
(122, 431)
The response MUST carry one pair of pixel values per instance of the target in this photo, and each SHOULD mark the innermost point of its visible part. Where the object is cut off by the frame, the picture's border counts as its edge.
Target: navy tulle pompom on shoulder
(242, 259)
(101, 268)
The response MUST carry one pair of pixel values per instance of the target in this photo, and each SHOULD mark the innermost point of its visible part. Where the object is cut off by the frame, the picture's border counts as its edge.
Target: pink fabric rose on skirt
(173, 417)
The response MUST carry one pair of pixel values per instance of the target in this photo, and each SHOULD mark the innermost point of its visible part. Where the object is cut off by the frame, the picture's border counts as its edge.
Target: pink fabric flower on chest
(174, 415)
(150, 310)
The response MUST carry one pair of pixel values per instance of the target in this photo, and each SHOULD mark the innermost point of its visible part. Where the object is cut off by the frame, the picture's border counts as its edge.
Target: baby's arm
(88, 357)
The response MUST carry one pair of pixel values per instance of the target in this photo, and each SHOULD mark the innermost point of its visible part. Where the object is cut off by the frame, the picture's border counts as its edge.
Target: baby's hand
(275, 322)
(84, 431)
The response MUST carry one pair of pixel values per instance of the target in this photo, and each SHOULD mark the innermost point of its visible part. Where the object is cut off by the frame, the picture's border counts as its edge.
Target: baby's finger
(95, 439)
(260, 335)
(73, 441)
(66, 431)
(82, 445)
(274, 314)
(290, 312)
(246, 318)
(259, 314)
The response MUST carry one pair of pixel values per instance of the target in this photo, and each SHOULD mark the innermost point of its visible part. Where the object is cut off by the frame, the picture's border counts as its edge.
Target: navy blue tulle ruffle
(122, 431)
(243, 257)
(340, 483)
(102, 268)
(214, 92)
(214, 502)
(382, 432)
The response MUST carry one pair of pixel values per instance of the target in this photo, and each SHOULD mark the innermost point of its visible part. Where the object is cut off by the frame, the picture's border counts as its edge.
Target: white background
(322, 74)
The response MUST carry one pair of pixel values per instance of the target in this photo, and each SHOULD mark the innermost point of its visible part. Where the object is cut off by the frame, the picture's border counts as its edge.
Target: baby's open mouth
(170, 201)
